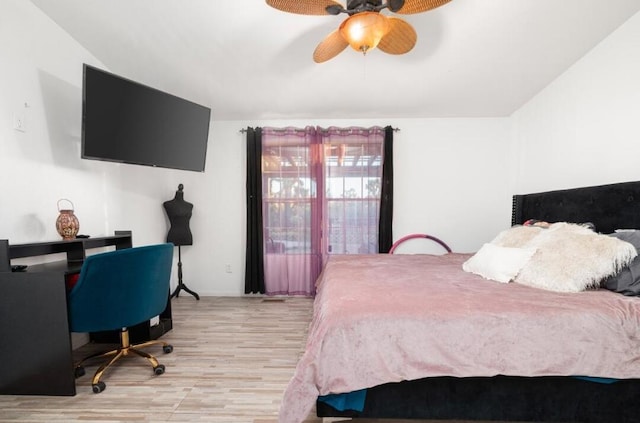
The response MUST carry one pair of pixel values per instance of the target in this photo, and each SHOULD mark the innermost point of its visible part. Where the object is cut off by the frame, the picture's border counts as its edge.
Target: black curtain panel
(254, 260)
(385, 233)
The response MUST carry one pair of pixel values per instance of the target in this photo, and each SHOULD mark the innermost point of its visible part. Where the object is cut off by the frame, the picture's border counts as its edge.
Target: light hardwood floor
(231, 362)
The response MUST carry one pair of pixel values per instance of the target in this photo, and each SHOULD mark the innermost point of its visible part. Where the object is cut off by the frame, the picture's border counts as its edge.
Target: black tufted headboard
(609, 207)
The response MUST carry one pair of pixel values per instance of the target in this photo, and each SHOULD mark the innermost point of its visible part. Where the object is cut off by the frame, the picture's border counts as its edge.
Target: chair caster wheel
(167, 349)
(98, 387)
(79, 372)
(159, 369)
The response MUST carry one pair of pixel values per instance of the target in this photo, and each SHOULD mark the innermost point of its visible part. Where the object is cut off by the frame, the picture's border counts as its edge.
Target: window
(321, 194)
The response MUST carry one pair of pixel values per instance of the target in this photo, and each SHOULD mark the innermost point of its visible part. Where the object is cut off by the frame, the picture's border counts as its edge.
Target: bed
(435, 344)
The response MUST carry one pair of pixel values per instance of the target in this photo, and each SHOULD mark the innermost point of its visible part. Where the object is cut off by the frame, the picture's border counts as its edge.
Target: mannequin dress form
(179, 213)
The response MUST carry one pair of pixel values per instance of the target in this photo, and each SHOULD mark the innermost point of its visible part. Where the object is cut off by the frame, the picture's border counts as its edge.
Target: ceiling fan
(365, 28)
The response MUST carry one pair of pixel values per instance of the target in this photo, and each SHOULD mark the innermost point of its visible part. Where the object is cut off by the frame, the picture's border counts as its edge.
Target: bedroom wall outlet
(227, 268)
(20, 122)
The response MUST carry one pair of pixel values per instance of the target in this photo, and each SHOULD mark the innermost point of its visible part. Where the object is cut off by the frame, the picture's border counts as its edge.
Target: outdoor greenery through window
(325, 182)
(352, 173)
(289, 192)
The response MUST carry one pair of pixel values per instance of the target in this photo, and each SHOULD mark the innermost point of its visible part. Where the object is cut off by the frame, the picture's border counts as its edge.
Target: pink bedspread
(388, 318)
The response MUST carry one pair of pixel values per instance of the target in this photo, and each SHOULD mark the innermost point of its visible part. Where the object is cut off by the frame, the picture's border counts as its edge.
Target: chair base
(125, 349)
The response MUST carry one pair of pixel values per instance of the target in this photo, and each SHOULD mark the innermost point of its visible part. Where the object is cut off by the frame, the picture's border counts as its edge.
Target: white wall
(41, 165)
(438, 163)
(584, 128)
(449, 181)
(41, 81)
(454, 177)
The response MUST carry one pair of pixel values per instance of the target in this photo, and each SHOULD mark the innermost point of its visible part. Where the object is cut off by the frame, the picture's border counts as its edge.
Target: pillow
(516, 236)
(498, 263)
(572, 258)
(627, 281)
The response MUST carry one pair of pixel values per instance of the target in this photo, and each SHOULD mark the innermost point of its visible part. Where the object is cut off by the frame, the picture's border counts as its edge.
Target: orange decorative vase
(67, 223)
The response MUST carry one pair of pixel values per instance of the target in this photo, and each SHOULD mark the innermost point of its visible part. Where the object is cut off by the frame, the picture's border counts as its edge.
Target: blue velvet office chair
(116, 290)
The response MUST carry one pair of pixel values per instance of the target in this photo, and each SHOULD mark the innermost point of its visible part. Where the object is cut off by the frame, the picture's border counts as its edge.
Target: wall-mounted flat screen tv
(127, 122)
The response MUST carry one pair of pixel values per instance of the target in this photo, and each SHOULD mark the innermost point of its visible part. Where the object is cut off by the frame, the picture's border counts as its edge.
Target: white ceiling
(247, 60)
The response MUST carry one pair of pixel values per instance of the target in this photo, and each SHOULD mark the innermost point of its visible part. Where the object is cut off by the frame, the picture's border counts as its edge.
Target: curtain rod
(243, 130)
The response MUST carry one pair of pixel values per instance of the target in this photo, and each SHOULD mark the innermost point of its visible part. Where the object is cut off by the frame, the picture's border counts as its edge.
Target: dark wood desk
(35, 343)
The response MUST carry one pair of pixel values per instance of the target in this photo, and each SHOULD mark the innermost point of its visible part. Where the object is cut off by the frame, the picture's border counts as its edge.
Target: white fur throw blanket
(568, 257)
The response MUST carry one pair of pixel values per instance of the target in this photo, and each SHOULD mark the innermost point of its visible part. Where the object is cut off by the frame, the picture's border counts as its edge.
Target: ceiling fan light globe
(363, 31)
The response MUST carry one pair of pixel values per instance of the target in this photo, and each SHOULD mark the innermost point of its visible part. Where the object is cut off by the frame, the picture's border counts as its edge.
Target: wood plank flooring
(231, 362)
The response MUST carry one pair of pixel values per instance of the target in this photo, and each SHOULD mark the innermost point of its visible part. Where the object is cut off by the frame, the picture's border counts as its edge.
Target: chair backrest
(121, 288)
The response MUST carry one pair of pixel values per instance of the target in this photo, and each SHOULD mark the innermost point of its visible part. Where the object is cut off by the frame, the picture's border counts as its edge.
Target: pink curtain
(292, 179)
(353, 178)
(317, 181)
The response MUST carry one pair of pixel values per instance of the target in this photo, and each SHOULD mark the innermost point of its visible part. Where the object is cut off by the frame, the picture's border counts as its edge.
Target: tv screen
(127, 122)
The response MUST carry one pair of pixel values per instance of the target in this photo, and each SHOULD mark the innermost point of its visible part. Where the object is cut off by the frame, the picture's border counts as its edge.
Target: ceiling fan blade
(417, 6)
(305, 7)
(330, 47)
(400, 39)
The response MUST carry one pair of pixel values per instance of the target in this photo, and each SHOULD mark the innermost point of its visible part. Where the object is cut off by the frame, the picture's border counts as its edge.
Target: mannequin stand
(182, 286)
